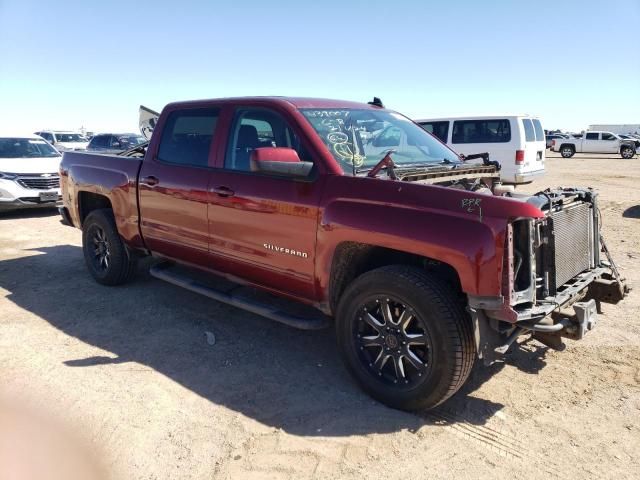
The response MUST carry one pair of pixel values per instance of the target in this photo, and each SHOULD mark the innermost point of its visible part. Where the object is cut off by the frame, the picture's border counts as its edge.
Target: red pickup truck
(292, 208)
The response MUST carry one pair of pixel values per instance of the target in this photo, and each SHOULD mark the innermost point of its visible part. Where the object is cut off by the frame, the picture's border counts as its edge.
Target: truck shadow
(632, 212)
(279, 376)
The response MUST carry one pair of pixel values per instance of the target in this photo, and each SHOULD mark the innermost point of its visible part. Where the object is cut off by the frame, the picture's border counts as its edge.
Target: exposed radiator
(573, 242)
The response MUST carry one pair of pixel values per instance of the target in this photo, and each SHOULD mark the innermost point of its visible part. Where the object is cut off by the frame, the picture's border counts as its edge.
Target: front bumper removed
(570, 314)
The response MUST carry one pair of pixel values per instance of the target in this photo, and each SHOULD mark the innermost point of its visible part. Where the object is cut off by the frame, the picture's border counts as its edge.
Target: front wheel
(627, 152)
(405, 337)
(105, 254)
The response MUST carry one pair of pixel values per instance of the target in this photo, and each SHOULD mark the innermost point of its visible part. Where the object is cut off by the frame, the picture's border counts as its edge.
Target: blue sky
(66, 64)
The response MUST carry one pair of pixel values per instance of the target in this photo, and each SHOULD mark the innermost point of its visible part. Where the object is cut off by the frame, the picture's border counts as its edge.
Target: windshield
(131, 140)
(362, 137)
(26, 148)
(70, 137)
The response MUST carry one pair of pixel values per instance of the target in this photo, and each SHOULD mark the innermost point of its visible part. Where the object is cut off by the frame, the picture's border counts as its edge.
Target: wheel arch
(352, 259)
(90, 201)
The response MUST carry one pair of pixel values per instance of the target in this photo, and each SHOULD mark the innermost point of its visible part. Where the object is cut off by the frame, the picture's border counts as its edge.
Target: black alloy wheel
(106, 256)
(101, 253)
(393, 341)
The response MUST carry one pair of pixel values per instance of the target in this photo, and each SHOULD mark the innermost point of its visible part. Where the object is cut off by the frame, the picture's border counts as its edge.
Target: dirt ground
(130, 381)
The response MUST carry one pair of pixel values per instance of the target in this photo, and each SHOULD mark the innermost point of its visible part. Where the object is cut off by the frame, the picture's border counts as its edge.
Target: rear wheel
(627, 152)
(567, 151)
(405, 337)
(105, 254)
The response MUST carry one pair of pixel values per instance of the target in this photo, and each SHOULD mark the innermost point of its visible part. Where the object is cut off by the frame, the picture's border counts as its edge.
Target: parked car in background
(517, 142)
(595, 142)
(553, 136)
(64, 140)
(28, 172)
(114, 142)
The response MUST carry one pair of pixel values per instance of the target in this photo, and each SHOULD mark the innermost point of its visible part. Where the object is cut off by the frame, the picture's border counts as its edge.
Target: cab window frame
(289, 127)
(185, 111)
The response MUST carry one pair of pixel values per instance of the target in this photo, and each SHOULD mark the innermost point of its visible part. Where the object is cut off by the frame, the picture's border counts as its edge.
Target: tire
(627, 152)
(106, 256)
(438, 350)
(567, 151)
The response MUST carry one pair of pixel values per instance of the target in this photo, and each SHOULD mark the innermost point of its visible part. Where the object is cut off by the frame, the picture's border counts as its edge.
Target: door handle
(150, 180)
(223, 191)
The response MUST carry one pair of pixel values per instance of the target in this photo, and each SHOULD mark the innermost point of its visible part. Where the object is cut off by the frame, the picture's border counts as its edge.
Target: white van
(516, 141)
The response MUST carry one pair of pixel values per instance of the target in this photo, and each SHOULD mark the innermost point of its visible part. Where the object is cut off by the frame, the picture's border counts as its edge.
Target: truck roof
(297, 102)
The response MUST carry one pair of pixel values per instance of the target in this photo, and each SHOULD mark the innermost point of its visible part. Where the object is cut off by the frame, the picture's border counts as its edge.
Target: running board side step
(315, 320)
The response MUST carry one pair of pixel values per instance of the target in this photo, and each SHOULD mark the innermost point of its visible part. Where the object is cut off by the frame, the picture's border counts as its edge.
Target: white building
(621, 128)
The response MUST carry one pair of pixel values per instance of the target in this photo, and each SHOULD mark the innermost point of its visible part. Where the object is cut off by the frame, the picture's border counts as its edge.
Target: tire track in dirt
(489, 438)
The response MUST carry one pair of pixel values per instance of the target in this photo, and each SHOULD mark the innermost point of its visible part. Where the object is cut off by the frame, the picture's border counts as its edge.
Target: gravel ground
(122, 382)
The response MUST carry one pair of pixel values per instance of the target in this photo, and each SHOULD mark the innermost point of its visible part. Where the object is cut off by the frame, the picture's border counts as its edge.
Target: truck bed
(111, 176)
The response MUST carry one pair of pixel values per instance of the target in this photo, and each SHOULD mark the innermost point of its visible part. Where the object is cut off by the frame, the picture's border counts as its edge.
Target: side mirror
(279, 161)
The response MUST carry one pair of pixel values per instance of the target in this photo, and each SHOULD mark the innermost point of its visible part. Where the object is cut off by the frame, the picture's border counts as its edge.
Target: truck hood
(71, 145)
(30, 165)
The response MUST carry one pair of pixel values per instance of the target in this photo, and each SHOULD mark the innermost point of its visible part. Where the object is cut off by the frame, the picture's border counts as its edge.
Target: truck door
(173, 185)
(610, 143)
(591, 143)
(262, 227)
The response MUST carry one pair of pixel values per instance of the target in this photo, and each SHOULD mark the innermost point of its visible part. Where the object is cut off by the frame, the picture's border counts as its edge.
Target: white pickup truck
(594, 142)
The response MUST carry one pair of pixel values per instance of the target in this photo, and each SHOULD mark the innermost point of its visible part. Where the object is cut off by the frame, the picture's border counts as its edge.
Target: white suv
(28, 173)
(64, 140)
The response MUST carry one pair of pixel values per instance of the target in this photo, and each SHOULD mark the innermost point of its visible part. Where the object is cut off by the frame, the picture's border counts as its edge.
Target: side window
(438, 129)
(608, 136)
(481, 131)
(114, 142)
(539, 130)
(388, 138)
(100, 141)
(256, 128)
(529, 133)
(592, 136)
(187, 135)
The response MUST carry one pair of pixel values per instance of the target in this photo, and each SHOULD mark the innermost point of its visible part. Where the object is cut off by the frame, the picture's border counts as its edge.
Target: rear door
(591, 143)
(173, 185)
(262, 227)
(534, 146)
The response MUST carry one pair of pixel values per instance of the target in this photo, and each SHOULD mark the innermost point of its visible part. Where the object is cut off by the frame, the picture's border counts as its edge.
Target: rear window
(438, 129)
(592, 136)
(481, 131)
(539, 130)
(187, 136)
(529, 132)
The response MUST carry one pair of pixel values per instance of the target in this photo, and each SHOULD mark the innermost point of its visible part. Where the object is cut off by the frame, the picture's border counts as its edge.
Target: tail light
(553, 143)
(519, 157)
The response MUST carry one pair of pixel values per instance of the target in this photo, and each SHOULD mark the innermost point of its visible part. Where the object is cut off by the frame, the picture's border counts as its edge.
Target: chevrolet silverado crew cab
(28, 172)
(423, 262)
(595, 142)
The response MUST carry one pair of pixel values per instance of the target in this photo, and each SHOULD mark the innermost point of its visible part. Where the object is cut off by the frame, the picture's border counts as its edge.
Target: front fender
(462, 229)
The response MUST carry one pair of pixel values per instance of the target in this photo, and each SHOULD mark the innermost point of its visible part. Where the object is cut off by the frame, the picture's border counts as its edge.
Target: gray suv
(114, 142)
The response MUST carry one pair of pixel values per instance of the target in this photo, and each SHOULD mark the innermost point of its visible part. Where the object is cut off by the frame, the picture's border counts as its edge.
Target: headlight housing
(8, 176)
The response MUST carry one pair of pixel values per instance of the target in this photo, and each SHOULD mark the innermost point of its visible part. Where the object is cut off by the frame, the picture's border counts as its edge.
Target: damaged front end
(557, 273)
